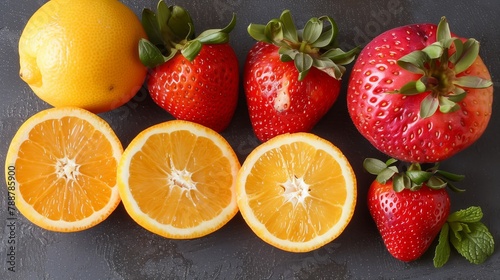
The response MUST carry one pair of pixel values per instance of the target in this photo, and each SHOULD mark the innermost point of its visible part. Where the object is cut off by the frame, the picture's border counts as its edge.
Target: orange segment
(65, 162)
(177, 179)
(297, 192)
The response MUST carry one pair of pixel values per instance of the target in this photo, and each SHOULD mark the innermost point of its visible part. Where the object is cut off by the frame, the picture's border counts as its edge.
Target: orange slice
(61, 169)
(297, 192)
(177, 179)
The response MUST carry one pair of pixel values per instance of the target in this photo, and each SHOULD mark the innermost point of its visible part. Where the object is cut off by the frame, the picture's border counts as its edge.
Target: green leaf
(274, 31)
(287, 54)
(418, 176)
(428, 106)
(312, 30)
(454, 188)
(442, 251)
(420, 86)
(475, 246)
(450, 176)
(213, 36)
(257, 32)
(374, 166)
(456, 228)
(150, 24)
(217, 36)
(323, 62)
(386, 174)
(289, 29)
(328, 35)
(162, 16)
(401, 182)
(459, 49)
(467, 55)
(191, 49)
(434, 51)
(340, 57)
(443, 30)
(414, 62)
(303, 62)
(458, 95)
(391, 161)
(446, 105)
(436, 183)
(149, 54)
(472, 82)
(181, 23)
(230, 26)
(409, 88)
(469, 215)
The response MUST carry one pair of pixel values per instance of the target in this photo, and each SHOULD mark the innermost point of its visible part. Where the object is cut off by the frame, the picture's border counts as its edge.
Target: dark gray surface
(120, 249)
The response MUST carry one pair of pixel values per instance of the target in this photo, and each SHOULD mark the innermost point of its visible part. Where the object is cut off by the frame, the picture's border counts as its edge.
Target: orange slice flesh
(177, 179)
(297, 192)
(63, 162)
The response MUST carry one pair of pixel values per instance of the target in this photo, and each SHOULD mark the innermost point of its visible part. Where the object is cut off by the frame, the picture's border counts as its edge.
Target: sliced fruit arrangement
(420, 94)
(292, 78)
(178, 178)
(83, 54)
(192, 78)
(65, 162)
(411, 207)
(297, 192)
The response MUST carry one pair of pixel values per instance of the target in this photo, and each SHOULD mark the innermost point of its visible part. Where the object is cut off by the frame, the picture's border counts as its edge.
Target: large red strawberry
(193, 78)
(420, 94)
(292, 78)
(409, 208)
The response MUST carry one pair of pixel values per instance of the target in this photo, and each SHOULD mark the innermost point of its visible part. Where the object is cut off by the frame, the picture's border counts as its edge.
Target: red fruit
(408, 220)
(291, 78)
(277, 101)
(204, 91)
(429, 121)
(193, 78)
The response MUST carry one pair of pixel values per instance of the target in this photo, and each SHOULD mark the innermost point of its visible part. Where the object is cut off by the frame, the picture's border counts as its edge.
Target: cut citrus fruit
(177, 179)
(61, 169)
(297, 192)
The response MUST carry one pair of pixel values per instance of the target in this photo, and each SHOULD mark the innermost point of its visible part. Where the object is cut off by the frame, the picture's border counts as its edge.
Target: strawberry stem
(313, 46)
(414, 177)
(439, 67)
(171, 30)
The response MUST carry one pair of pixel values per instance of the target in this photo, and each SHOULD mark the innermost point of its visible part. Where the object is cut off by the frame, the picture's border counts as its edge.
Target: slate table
(120, 249)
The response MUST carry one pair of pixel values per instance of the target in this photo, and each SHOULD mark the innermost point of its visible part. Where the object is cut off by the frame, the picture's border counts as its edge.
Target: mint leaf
(442, 252)
(470, 215)
(475, 246)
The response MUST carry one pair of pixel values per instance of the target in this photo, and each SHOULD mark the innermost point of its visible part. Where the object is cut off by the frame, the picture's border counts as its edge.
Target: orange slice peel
(177, 179)
(297, 192)
(63, 164)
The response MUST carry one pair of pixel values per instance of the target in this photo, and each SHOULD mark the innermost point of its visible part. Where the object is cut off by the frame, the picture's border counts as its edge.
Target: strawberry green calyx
(313, 46)
(440, 65)
(170, 30)
(413, 178)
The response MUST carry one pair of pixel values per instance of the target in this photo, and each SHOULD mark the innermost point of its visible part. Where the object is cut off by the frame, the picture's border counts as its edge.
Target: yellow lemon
(296, 191)
(61, 169)
(83, 54)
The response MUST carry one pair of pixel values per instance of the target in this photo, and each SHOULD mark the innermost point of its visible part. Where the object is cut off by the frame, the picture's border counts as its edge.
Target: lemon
(82, 54)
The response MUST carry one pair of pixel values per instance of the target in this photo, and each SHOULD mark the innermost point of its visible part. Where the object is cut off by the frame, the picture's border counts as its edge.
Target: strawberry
(409, 209)
(292, 78)
(420, 94)
(192, 78)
